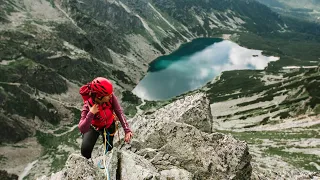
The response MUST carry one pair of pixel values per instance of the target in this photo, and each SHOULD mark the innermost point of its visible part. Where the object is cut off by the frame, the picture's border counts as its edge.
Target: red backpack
(85, 92)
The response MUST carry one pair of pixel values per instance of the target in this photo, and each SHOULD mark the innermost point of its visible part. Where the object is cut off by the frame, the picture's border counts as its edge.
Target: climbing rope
(106, 136)
(105, 153)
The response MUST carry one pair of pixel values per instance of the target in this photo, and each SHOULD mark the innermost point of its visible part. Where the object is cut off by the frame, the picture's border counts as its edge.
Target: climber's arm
(86, 118)
(119, 112)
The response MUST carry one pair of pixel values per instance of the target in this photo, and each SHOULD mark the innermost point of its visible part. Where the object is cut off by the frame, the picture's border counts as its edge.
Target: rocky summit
(170, 144)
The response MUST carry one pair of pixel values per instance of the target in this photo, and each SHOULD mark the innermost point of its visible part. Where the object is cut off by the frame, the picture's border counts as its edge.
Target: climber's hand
(128, 137)
(94, 109)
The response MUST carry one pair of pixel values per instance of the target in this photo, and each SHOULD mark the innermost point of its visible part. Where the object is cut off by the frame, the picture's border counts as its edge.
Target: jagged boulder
(134, 166)
(77, 167)
(170, 139)
(171, 143)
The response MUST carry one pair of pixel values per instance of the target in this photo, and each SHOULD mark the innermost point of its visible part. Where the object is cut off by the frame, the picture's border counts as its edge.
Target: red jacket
(105, 116)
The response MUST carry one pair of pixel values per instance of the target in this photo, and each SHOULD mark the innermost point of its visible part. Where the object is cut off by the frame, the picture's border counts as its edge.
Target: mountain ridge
(48, 49)
(73, 43)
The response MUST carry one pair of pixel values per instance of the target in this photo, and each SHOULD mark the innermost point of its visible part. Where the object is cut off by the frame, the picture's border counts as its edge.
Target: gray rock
(206, 156)
(172, 145)
(134, 166)
(175, 173)
(78, 167)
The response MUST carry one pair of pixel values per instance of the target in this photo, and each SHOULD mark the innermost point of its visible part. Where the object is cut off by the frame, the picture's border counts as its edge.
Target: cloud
(188, 73)
(243, 58)
(204, 72)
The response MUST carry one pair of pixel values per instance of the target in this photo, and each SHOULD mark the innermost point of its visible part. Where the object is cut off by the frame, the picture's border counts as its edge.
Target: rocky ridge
(171, 143)
(65, 41)
(48, 49)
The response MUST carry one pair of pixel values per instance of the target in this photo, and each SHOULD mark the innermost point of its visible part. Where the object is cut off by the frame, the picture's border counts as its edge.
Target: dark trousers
(89, 139)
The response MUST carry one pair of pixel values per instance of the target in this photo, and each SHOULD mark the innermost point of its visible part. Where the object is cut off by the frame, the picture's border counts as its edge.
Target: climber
(99, 113)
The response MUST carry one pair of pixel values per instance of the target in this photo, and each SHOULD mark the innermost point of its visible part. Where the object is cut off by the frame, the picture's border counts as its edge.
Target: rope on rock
(106, 147)
(106, 136)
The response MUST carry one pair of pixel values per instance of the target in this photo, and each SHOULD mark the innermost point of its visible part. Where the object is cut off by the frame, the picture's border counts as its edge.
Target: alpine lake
(193, 65)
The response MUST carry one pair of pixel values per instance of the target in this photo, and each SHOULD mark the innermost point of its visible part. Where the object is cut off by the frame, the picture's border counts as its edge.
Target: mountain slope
(243, 15)
(176, 145)
(303, 9)
(48, 49)
(71, 42)
(275, 112)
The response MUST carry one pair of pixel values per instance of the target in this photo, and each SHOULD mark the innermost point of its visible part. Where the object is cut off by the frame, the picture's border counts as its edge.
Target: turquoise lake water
(193, 65)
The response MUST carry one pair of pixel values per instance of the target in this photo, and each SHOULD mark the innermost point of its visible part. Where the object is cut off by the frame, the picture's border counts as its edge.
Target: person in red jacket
(99, 111)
